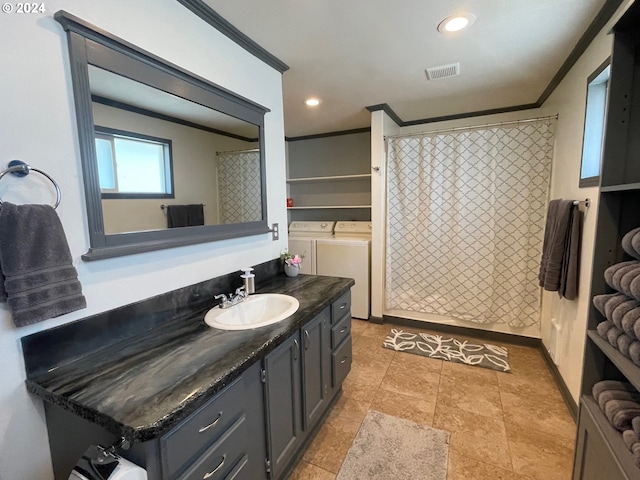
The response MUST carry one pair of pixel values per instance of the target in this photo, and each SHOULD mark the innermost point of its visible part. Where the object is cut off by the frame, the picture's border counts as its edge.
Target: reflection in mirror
(127, 98)
(166, 162)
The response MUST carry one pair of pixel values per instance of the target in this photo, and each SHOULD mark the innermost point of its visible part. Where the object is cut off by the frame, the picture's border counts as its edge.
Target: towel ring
(21, 169)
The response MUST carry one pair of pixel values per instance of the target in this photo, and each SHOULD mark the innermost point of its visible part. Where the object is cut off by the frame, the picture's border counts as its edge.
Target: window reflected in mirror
(158, 153)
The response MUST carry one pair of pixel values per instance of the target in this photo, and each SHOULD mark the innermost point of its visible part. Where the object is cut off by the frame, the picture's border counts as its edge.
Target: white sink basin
(255, 311)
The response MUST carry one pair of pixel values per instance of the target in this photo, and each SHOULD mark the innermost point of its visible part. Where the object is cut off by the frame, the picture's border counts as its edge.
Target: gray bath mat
(450, 349)
(390, 448)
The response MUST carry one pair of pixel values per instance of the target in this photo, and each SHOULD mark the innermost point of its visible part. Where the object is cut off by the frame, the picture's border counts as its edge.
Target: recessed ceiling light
(312, 102)
(455, 23)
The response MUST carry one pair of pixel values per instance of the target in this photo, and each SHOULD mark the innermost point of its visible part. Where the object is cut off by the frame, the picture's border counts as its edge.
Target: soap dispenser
(249, 280)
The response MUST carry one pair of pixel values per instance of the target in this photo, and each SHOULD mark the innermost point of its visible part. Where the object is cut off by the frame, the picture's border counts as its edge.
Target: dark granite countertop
(141, 387)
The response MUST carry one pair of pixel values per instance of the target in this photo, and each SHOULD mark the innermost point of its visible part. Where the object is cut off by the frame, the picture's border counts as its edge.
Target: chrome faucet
(231, 299)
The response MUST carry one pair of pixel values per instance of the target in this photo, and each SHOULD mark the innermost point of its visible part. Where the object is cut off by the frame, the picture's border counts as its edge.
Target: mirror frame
(89, 45)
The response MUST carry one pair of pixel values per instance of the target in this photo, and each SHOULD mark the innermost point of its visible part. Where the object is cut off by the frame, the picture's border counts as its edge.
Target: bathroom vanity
(195, 402)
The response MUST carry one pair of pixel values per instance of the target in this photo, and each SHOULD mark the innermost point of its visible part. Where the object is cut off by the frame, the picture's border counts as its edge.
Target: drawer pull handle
(342, 307)
(344, 360)
(207, 475)
(307, 340)
(204, 429)
(296, 350)
(343, 329)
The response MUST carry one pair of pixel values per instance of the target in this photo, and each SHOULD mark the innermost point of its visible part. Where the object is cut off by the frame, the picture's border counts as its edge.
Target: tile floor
(504, 426)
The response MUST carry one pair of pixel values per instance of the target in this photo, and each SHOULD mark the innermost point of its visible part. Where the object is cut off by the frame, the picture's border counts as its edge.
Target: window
(594, 122)
(131, 165)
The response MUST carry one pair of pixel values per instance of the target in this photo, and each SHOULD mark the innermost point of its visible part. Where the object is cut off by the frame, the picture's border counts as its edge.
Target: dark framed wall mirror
(168, 158)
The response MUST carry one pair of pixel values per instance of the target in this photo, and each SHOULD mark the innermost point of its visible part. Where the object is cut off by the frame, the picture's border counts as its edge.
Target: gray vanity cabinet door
(316, 363)
(284, 403)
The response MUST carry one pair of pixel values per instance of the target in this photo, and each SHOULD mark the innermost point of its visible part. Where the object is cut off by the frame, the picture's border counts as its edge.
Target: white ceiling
(357, 53)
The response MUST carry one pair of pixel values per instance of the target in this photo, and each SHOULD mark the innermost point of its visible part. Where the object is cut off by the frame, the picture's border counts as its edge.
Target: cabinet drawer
(341, 361)
(199, 431)
(340, 331)
(340, 307)
(226, 456)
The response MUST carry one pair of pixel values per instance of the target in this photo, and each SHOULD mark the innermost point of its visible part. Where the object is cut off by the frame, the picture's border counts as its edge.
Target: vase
(291, 270)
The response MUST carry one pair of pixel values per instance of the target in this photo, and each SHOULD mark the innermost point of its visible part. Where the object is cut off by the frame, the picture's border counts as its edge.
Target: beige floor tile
(417, 362)
(354, 401)
(419, 383)
(372, 347)
(376, 330)
(538, 455)
(479, 437)
(402, 406)
(466, 374)
(544, 412)
(462, 467)
(358, 326)
(470, 396)
(331, 444)
(307, 471)
(366, 370)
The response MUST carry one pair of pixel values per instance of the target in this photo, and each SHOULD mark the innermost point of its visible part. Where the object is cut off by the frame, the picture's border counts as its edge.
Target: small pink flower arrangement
(291, 258)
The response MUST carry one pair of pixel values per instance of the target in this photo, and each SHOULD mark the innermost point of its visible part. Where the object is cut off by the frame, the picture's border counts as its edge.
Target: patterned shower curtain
(465, 222)
(239, 186)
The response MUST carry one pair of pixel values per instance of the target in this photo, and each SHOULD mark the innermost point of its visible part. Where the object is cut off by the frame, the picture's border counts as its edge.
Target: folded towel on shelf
(605, 385)
(40, 279)
(613, 274)
(603, 328)
(605, 303)
(632, 441)
(631, 243)
(631, 321)
(612, 336)
(634, 352)
(634, 288)
(609, 395)
(620, 311)
(627, 279)
(561, 249)
(635, 424)
(623, 344)
(620, 413)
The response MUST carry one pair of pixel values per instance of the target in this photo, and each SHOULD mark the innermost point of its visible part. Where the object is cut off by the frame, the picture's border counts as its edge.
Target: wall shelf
(318, 207)
(626, 366)
(331, 178)
(620, 188)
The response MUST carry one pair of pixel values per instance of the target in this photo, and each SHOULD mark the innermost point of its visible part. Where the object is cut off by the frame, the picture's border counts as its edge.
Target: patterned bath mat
(450, 349)
(388, 447)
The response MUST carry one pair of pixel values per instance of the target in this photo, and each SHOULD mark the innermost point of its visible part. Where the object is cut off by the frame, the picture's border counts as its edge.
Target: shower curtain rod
(473, 127)
(240, 151)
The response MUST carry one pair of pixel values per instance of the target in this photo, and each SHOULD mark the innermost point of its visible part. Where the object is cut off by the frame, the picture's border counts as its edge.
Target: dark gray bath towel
(605, 385)
(627, 280)
(621, 412)
(40, 280)
(631, 243)
(606, 303)
(624, 343)
(604, 327)
(612, 336)
(185, 215)
(561, 249)
(620, 312)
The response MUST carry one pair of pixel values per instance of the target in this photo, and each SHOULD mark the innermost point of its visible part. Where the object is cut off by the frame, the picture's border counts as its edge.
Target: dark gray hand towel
(621, 412)
(603, 328)
(618, 314)
(627, 279)
(623, 344)
(632, 441)
(195, 214)
(635, 423)
(634, 352)
(40, 280)
(634, 288)
(561, 249)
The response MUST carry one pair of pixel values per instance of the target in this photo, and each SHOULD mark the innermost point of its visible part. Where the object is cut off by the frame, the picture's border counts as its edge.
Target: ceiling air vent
(443, 71)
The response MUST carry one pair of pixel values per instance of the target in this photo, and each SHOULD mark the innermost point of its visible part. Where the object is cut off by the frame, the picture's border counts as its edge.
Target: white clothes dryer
(348, 254)
(302, 240)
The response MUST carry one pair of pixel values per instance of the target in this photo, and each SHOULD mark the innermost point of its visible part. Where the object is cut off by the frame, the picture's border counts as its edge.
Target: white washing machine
(302, 240)
(348, 254)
